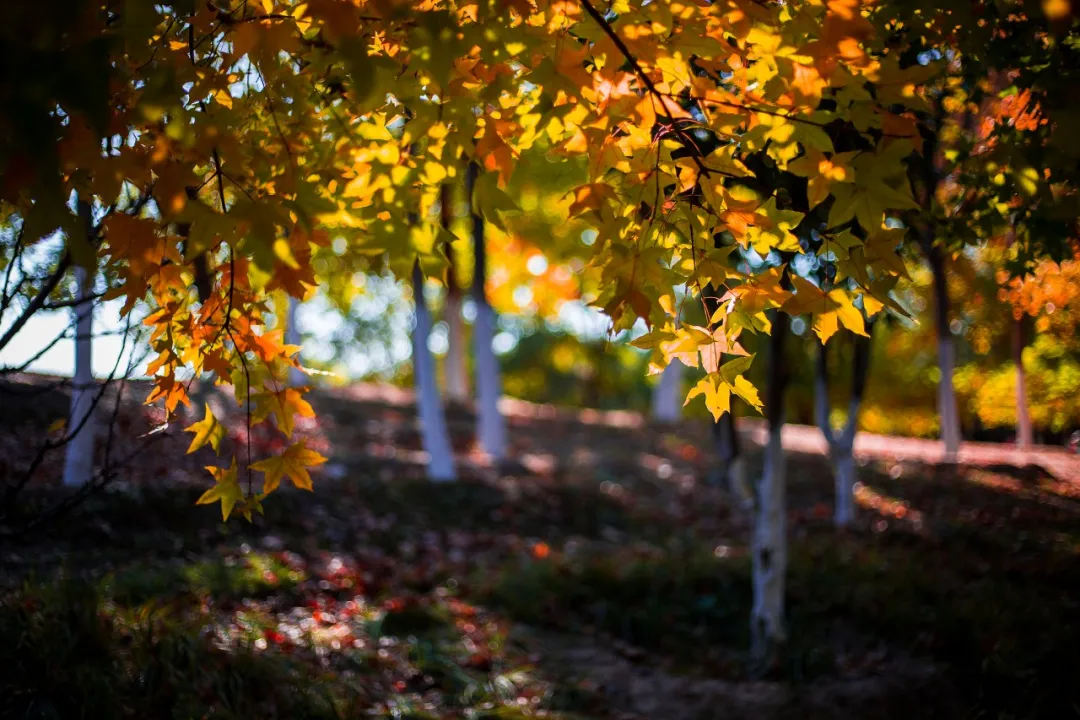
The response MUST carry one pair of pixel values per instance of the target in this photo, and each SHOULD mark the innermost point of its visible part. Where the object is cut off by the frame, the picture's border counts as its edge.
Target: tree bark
(293, 336)
(1024, 433)
(490, 426)
(433, 432)
(925, 174)
(457, 379)
(731, 469)
(948, 412)
(457, 376)
(79, 454)
(842, 444)
(666, 395)
(767, 627)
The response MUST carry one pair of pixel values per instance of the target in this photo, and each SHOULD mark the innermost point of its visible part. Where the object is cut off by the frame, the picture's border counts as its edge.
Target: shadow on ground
(607, 581)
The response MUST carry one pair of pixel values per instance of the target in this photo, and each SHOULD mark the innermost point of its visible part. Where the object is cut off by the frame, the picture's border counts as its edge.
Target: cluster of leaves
(253, 132)
(1002, 311)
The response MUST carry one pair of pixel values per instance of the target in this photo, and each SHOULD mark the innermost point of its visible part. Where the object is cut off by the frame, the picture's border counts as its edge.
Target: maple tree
(490, 425)
(999, 154)
(433, 431)
(79, 454)
(260, 130)
(1051, 294)
(1021, 331)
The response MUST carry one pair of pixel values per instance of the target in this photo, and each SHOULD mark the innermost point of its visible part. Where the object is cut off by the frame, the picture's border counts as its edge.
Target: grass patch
(228, 579)
(691, 606)
(67, 653)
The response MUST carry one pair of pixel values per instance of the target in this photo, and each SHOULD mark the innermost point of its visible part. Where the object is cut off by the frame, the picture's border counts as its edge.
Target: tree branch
(39, 300)
(649, 84)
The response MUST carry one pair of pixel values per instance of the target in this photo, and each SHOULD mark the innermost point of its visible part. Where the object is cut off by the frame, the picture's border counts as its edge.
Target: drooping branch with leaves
(262, 129)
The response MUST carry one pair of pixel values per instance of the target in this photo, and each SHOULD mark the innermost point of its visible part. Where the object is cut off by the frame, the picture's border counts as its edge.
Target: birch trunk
(457, 379)
(842, 444)
(767, 631)
(732, 466)
(844, 474)
(842, 459)
(948, 413)
(79, 455)
(925, 176)
(950, 416)
(490, 426)
(433, 432)
(731, 469)
(1024, 433)
(294, 337)
(666, 395)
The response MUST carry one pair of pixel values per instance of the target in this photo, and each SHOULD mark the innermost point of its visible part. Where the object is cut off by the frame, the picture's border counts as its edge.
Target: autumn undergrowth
(395, 597)
(68, 652)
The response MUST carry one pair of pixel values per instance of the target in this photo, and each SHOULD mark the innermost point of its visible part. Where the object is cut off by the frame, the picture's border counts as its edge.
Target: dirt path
(1057, 461)
(640, 691)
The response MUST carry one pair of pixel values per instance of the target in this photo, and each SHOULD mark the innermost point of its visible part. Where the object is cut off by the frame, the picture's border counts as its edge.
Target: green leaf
(733, 369)
(490, 200)
(207, 430)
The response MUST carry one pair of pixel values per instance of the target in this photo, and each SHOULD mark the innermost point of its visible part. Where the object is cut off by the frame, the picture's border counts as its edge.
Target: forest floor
(597, 575)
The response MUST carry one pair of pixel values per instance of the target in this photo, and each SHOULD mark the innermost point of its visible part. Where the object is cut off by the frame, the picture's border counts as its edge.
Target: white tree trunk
(666, 396)
(79, 458)
(293, 337)
(433, 432)
(490, 427)
(738, 483)
(841, 445)
(844, 474)
(731, 468)
(948, 413)
(769, 560)
(457, 378)
(947, 408)
(770, 550)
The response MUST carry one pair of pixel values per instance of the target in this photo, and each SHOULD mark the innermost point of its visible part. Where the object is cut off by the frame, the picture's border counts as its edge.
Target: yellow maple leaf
(881, 252)
(777, 232)
(685, 345)
(828, 309)
(762, 291)
(716, 392)
(717, 387)
(880, 184)
(652, 339)
(207, 430)
(822, 172)
(285, 405)
(714, 268)
(594, 196)
(226, 489)
(746, 390)
(293, 463)
(723, 343)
